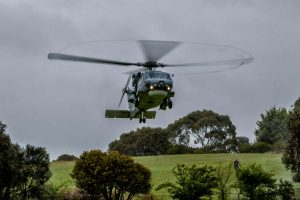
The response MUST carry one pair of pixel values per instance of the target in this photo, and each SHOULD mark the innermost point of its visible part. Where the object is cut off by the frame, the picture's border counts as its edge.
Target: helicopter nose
(161, 84)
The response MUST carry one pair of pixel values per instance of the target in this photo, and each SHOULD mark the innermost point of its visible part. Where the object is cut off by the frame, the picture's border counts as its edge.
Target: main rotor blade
(234, 62)
(124, 90)
(58, 56)
(155, 50)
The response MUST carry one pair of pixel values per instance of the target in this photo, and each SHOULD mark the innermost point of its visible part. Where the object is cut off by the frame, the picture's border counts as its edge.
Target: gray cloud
(61, 105)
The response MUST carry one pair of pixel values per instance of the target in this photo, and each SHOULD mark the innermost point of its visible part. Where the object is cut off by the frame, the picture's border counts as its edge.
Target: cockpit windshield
(157, 74)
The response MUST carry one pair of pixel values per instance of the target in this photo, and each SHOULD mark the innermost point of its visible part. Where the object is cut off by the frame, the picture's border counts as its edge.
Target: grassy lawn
(161, 167)
(61, 173)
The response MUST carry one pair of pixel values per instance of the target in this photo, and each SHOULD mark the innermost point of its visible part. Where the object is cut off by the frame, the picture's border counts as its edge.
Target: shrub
(51, 192)
(261, 147)
(192, 182)
(74, 194)
(178, 149)
(279, 146)
(286, 190)
(112, 174)
(254, 183)
(225, 180)
(199, 151)
(245, 148)
(66, 157)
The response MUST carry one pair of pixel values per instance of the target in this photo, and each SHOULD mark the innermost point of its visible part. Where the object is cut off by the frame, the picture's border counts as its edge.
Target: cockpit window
(160, 75)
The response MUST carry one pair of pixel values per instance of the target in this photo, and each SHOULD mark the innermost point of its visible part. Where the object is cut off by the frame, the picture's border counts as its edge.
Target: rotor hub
(151, 64)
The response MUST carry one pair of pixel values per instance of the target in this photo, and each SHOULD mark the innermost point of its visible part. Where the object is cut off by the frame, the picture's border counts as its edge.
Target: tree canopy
(272, 127)
(112, 175)
(204, 131)
(209, 130)
(291, 158)
(191, 182)
(66, 157)
(255, 183)
(143, 141)
(33, 170)
(8, 164)
(23, 171)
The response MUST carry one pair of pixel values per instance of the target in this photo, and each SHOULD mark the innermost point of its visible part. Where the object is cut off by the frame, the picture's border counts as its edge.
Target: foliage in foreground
(23, 171)
(112, 175)
(8, 164)
(192, 182)
(33, 172)
(251, 181)
(225, 181)
(255, 183)
(291, 158)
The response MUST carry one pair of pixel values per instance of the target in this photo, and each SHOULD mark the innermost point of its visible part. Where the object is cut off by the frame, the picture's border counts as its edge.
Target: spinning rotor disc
(199, 57)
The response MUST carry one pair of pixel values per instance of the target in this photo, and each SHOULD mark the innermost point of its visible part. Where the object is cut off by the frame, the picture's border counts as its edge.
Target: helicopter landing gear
(143, 120)
(170, 104)
(166, 103)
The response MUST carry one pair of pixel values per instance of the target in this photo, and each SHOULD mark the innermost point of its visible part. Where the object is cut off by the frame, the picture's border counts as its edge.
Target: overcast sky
(61, 105)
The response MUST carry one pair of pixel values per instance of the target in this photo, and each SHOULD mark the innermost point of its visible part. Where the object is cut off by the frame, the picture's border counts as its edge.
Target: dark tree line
(23, 170)
(204, 131)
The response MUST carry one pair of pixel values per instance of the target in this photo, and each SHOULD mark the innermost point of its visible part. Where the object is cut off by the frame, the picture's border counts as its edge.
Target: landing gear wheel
(170, 104)
(142, 120)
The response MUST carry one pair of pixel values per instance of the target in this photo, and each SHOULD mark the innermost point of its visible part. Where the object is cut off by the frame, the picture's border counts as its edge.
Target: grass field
(161, 167)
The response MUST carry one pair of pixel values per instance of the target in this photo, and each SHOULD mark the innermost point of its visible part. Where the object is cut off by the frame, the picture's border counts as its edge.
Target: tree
(23, 171)
(291, 156)
(254, 183)
(144, 141)
(242, 140)
(297, 103)
(272, 127)
(112, 175)
(8, 164)
(192, 182)
(88, 172)
(244, 145)
(66, 157)
(261, 147)
(212, 131)
(33, 171)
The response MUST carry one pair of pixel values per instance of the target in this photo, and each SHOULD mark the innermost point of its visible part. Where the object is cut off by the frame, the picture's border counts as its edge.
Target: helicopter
(150, 88)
